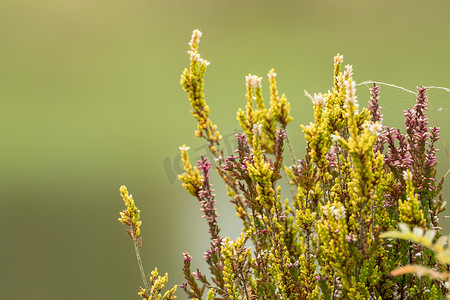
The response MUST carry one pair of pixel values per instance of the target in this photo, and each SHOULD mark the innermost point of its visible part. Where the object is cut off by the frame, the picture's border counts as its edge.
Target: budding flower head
(195, 56)
(253, 81)
(407, 175)
(374, 128)
(319, 99)
(348, 71)
(350, 95)
(196, 35)
(271, 74)
(338, 213)
(338, 59)
(340, 82)
(257, 129)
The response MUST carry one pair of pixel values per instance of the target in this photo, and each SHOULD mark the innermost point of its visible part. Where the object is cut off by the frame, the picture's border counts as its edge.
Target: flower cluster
(192, 180)
(131, 215)
(157, 284)
(415, 151)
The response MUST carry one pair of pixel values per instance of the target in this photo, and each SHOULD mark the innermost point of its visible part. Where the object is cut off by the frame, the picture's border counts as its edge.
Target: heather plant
(362, 218)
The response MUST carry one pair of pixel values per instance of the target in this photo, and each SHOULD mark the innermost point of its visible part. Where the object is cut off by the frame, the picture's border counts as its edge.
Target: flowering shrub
(336, 236)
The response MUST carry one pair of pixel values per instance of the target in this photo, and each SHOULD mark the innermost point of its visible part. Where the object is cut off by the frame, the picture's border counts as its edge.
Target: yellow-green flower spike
(157, 284)
(192, 82)
(279, 107)
(337, 75)
(130, 216)
(191, 178)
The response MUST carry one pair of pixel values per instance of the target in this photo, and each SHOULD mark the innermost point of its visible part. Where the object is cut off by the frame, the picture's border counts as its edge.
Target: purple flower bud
(187, 257)
(197, 275)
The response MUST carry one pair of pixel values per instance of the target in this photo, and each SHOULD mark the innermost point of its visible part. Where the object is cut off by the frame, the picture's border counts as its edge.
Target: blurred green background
(90, 100)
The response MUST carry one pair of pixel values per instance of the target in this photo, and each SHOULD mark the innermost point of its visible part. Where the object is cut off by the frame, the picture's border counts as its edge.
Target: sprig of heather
(192, 82)
(207, 200)
(236, 165)
(416, 123)
(130, 217)
(279, 148)
(156, 283)
(265, 118)
(398, 158)
(377, 117)
(374, 105)
(191, 287)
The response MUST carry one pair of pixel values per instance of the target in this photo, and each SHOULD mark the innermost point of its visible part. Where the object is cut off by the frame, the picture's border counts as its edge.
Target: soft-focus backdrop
(90, 100)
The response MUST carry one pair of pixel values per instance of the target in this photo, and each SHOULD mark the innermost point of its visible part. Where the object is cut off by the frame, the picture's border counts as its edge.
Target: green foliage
(336, 236)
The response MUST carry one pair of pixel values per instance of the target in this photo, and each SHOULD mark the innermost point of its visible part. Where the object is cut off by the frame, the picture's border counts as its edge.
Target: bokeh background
(90, 100)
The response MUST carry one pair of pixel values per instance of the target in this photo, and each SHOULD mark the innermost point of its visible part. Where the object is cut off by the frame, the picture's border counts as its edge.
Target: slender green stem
(244, 282)
(141, 267)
